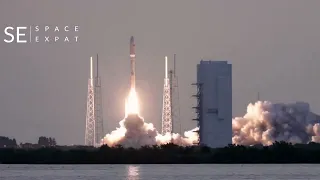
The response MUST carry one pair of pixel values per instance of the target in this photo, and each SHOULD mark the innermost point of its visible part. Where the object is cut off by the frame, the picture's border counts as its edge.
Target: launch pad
(133, 131)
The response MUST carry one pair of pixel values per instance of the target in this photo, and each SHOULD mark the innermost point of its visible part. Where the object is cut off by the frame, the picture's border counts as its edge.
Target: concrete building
(216, 103)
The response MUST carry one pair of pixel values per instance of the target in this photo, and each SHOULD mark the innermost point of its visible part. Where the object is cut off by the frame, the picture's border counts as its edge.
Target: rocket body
(133, 62)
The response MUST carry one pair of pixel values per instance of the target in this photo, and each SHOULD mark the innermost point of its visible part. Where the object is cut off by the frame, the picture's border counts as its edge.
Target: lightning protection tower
(99, 130)
(90, 117)
(174, 95)
(166, 106)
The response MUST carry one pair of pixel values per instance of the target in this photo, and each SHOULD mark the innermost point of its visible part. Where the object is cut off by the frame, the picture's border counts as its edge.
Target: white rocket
(133, 62)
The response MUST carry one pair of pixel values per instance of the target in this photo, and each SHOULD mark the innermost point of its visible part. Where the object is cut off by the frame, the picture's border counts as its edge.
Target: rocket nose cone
(131, 40)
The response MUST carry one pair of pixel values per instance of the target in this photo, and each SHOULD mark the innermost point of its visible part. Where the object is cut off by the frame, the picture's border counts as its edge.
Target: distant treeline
(279, 152)
(43, 141)
(7, 142)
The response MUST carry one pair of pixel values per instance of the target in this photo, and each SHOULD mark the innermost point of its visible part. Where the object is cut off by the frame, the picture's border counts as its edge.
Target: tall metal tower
(90, 117)
(198, 109)
(174, 94)
(99, 130)
(166, 106)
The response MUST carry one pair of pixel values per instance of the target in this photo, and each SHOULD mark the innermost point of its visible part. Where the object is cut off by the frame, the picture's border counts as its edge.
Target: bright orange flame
(132, 105)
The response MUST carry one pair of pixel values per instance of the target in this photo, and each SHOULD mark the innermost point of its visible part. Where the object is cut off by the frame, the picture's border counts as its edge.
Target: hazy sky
(273, 46)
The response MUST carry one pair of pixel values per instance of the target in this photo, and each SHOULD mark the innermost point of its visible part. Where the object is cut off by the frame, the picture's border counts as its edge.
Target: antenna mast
(175, 102)
(99, 129)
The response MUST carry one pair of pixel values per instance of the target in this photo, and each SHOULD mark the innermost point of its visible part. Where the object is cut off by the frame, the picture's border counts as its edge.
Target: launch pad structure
(198, 109)
(99, 128)
(174, 97)
(94, 131)
(94, 116)
(90, 117)
(170, 106)
(166, 106)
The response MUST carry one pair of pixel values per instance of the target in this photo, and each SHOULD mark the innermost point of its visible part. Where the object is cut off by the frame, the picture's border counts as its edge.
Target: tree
(7, 142)
(14, 142)
(54, 143)
(44, 141)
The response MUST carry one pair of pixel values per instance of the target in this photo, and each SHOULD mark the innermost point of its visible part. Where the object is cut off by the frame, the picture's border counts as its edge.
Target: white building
(216, 106)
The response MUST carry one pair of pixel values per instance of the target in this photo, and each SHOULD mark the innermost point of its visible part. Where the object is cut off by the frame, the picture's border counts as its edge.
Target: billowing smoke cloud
(134, 132)
(265, 123)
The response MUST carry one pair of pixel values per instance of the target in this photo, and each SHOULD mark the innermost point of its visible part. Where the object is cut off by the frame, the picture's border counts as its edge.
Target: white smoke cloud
(134, 132)
(265, 123)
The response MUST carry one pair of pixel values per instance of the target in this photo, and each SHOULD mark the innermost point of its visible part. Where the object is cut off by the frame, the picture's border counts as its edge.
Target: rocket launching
(134, 131)
(264, 123)
(132, 60)
(132, 105)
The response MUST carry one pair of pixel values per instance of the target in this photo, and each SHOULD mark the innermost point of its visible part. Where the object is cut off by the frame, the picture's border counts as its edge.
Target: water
(158, 172)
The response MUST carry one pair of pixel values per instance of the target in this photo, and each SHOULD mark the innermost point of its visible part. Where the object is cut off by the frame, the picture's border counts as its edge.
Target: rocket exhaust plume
(134, 131)
(265, 123)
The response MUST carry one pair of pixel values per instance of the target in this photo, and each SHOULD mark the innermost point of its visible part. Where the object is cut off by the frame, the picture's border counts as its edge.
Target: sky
(273, 47)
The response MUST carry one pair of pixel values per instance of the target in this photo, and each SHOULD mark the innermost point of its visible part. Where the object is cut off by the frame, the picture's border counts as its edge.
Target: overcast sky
(273, 46)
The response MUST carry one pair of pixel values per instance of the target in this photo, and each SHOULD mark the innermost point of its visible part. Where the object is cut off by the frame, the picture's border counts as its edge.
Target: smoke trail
(134, 132)
(265, 123)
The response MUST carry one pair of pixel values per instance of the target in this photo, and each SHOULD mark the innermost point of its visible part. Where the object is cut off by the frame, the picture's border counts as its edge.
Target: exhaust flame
(131, 104)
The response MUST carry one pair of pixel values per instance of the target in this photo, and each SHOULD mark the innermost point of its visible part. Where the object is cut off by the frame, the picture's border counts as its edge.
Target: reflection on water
(161, 172)
(133, 172)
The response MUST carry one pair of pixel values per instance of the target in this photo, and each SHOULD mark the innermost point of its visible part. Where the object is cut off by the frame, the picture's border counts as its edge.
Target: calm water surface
(158, 172)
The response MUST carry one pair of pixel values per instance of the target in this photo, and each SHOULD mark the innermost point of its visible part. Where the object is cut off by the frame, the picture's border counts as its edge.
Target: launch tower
(94, 116)
(90, 115)
(166, 106)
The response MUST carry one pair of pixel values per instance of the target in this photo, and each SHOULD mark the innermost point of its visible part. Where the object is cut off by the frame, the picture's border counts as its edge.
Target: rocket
(133, 62)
